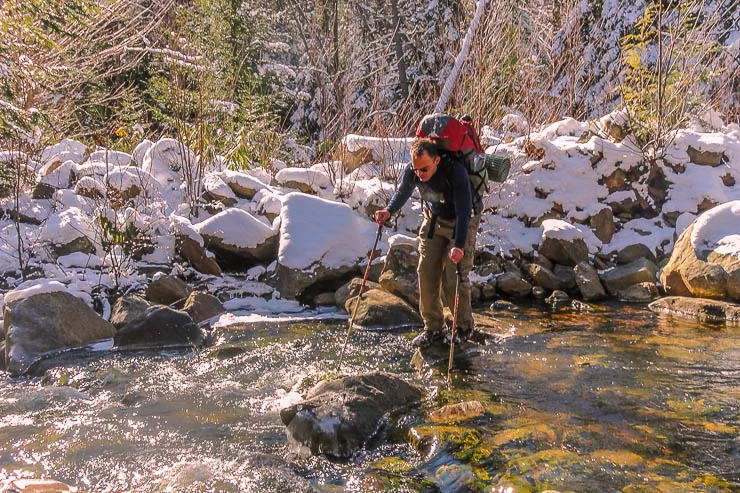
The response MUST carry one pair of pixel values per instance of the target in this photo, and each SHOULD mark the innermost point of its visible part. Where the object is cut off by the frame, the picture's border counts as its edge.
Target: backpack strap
(432, 225)
(475, 192)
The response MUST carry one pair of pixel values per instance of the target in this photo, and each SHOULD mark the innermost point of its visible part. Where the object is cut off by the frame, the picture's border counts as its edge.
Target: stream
(611, 398)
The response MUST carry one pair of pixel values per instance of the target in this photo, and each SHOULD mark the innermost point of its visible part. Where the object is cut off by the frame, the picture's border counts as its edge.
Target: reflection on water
(610, 399)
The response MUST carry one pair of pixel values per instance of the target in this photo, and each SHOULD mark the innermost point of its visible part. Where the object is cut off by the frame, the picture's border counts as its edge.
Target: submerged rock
(36, 485)
(461, 411)
(558, 299)
(340, 416)
(702, 310)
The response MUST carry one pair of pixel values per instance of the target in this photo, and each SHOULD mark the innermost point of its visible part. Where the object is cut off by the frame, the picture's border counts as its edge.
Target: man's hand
(456, 254)
(382, 216)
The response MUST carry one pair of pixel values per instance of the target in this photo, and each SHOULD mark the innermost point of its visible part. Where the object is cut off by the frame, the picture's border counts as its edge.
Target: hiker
(446, 238)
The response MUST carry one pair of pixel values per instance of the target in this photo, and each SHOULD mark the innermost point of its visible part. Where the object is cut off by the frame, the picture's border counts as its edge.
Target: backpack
(459, 138)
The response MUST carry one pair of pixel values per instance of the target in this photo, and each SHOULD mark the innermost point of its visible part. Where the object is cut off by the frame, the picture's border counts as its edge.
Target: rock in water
(48, 322)
(160, 327)
(340, 416)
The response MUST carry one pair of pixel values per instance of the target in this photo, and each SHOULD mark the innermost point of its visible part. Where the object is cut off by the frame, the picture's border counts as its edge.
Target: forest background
(251, 81)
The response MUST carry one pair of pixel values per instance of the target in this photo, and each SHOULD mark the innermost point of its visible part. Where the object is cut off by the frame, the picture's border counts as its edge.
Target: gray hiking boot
(474, 336)
(427, 338)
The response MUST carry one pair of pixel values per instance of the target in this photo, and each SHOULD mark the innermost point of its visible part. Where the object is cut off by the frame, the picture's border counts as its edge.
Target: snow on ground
(334, 227)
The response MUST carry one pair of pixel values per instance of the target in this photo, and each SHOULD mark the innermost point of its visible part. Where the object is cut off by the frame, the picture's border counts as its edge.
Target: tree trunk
(403, 81)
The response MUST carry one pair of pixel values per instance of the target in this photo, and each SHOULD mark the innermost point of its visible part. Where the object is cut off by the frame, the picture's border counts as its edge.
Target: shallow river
(613, 399)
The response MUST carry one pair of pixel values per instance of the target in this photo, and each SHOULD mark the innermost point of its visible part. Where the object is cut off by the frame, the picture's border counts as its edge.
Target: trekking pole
(359, 295)
(454, 322)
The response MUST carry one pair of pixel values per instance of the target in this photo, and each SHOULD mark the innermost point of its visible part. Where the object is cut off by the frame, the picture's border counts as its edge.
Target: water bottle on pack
(496, 167)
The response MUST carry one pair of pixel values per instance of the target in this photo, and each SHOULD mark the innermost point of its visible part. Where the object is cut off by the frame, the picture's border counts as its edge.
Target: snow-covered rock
(65, 150)
(319, 240)
(705, 262)
(239, 238)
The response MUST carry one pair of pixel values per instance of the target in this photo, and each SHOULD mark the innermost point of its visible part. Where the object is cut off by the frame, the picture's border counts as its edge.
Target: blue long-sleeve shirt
(447, 192)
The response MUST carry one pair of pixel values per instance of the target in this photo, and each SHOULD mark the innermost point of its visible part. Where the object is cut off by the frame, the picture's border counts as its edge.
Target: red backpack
(459, 138)
(455, 136)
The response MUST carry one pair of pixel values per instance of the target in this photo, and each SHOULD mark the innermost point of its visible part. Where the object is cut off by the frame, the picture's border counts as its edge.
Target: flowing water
(608, 399)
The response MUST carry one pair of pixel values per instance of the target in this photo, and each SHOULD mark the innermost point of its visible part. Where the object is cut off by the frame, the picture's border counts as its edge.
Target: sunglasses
(421, 170)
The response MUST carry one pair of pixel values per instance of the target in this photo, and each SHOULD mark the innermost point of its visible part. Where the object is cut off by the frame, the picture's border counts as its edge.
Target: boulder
(201, 306)
(379, 308)
(399, 272)
(602, 224)
(137, 156)
(616, 181)
(69, 231)
(43, 191)
(160, 327)
(542, 276)
(488, 290)
(704, 262)
(634, 252)
(127, 309)
(317, 254)
(698, 309)
(66, 149)
(352, 159)
(558, 299)
(167, 290)
(566, 277)
(562, 243)
(81, 244)
(46, 323)
(239, 239)
(643, 292)
(307, 180)
(351, 289)
(125, 184)
(513, 284)
(59, 178)
(26, 211)
(197, 255)
(340, 416)
(624, 204)
(305, 284)
(324, 299)
(588, 282)
(109, 158)
(619, 278)
(214, 188)
(167, 160)
(269, 204)
(242, 184)
(705, 158)
(89, 187)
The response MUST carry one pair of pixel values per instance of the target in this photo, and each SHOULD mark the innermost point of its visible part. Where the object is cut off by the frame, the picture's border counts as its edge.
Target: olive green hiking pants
(438, 274)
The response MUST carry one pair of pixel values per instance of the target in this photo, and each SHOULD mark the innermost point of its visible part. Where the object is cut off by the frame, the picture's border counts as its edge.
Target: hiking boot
(474, 335)
(427, 338)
